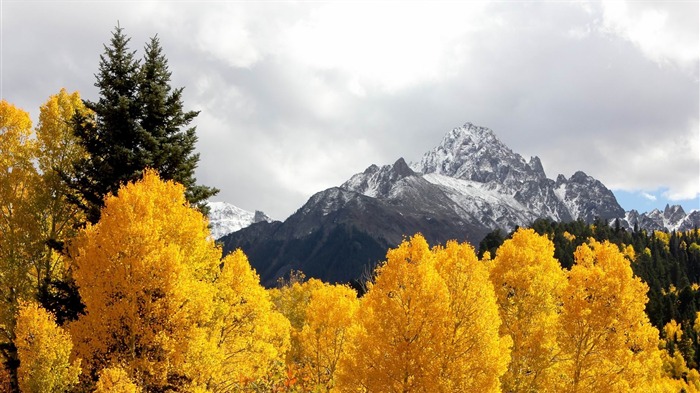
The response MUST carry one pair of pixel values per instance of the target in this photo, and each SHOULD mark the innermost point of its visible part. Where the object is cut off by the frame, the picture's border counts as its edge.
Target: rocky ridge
(467, 186)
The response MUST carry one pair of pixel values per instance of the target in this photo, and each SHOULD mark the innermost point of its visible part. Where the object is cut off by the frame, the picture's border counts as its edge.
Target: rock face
(673, 218)
(467, 186)
(340, 233)
(510, 191)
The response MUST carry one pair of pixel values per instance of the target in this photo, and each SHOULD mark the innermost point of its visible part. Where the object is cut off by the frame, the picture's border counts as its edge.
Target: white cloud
(665, 32)
(382, 45)
(296, 97)
(648, 196)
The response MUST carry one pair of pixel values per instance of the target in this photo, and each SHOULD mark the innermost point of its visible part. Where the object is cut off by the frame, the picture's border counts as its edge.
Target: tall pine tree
(138, 123)
(167, 147)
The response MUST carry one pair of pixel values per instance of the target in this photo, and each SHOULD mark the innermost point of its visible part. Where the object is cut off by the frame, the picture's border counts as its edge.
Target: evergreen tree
(137, 124)
(167, 147)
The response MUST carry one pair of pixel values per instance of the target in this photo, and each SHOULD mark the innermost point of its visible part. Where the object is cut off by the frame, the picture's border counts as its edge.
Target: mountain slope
(339, 232)
(673, 218)
(225, 218)
(468, 185)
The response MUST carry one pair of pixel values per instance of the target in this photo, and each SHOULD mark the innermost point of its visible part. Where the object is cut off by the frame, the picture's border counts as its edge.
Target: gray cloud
(296, 97)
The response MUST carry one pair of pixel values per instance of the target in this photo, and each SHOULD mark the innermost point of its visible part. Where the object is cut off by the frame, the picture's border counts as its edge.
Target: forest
(111, 282)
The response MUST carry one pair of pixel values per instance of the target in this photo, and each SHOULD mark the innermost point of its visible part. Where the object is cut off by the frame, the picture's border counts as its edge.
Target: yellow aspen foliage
(292, 298)
(673, 331)
(145, 273)
(161, 303)
(44, 350)
(478, 356)
(674, 366)
(528, 281)
(665, 237)
(696, 325)
(57, 150)
(694, 247)
(629, 252)
(247, 336)
(19, 232)
(330, 315)
(606, 337)
(428, 323)
(115, 380)
(568, 236)
(404, 327)
(15, 127)
(59, 147)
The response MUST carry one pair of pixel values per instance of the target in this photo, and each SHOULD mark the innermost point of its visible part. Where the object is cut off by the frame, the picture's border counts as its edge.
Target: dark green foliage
(491, 242)
(62, 298)
(166, 147)
(139, 122)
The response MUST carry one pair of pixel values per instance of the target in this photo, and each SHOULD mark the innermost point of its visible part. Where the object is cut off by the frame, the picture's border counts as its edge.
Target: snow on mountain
(467, 186)
(481, 204)
(474, 153)
(225, 218)
(521, 191)
(673, 218)
(378, 182)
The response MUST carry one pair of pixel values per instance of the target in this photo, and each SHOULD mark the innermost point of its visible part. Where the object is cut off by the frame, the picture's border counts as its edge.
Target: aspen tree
(606, 337)
(44, 352)
(528, 281)
(144, 272)
(414, 333)
(330, 317)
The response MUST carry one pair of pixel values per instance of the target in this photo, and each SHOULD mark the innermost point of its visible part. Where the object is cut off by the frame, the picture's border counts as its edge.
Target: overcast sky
(297, 97)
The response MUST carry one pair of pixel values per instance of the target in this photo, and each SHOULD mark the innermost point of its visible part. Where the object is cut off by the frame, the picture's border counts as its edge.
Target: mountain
(467, 186)
(673, 218)
(479, 161)
(225, 218)
(340, 233)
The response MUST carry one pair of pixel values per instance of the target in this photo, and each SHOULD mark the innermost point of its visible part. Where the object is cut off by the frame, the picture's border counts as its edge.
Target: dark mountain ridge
(462, 189)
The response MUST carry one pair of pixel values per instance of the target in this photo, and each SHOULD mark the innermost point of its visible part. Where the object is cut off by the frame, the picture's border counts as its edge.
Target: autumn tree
(479, 355)
(246, 339)
(44, 352)
(528, 281)
(160, 302)
(676, 371)
(115, 380)
(409, 338)
(144, 273)
(33, 212)
(138, 123)
(292, 297)
(18, 229)
(405, 312)
(57, 150)
(330, 316)
(606, 337)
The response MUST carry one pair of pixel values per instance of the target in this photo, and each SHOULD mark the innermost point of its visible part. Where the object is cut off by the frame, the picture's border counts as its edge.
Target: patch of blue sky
(645, 201)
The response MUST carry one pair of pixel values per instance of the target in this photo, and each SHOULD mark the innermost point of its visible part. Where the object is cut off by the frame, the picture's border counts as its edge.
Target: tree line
(165, 312)
(667, 261)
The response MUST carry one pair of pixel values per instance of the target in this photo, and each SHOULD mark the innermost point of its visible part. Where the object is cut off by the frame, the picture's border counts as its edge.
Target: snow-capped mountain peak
(475, 153)
(376, 181)
(467, 186)
(225, 218)
(673, 218)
